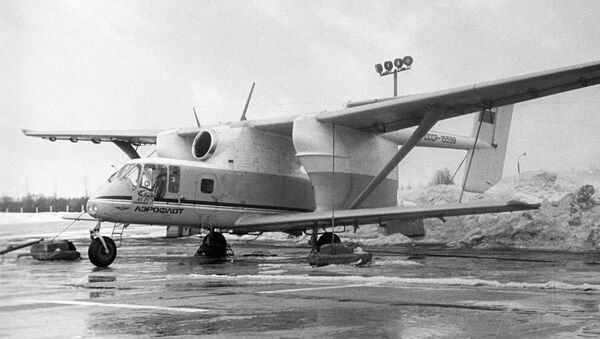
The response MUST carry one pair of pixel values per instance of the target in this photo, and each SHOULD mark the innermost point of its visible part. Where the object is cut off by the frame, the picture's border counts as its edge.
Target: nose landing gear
(103, 250)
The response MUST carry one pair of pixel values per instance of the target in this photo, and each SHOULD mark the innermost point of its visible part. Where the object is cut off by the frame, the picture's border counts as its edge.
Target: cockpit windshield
(129, 171)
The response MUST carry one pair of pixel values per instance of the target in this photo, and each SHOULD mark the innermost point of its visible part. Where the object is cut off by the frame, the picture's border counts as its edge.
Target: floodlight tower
(400, 64)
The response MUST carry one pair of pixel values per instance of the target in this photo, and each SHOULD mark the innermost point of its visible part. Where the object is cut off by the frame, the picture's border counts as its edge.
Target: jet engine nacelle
(204, 144)
(238, 148)
(218, 144)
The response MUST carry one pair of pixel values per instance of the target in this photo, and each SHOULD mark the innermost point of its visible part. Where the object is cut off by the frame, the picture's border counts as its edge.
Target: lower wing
(302, 221)
(79, 217)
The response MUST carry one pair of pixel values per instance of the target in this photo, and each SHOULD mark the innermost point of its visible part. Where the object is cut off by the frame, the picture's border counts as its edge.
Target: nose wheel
(102, 251)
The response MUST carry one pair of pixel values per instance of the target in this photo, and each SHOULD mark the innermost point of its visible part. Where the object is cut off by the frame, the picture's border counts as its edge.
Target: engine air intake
(204, 145)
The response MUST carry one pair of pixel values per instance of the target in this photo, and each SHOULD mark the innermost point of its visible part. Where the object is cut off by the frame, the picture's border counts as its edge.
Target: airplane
(312, 172)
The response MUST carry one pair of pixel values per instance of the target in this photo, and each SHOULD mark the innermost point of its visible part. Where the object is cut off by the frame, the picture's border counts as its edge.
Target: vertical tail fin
(487, 164)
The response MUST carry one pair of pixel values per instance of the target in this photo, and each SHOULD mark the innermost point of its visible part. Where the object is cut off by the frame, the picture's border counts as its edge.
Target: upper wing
(402, 112)
(125, 140)
(279, 125)
(396, 113)
(301, 221)
(141, 137)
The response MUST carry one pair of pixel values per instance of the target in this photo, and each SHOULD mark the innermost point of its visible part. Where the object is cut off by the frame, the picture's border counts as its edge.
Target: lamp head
(388, 65)
(398, 63)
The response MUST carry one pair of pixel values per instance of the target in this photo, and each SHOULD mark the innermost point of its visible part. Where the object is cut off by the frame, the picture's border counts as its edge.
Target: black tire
(325, 238)
(214, 245)
(97, 254)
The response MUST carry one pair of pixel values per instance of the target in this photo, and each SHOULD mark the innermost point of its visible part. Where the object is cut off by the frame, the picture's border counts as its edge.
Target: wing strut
(128, 149)
(431, 117)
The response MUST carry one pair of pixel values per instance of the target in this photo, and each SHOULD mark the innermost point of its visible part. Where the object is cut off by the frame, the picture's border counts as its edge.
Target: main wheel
(326, 238)
(214, 245)
(98, 255)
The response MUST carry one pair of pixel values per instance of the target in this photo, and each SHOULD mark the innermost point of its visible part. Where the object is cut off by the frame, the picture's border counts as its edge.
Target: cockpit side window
(174, 173)
(147, 176)
(154, 178)
(159, 181)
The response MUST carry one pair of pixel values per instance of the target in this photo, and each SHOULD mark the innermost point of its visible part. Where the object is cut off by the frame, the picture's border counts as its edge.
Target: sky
(90, 65)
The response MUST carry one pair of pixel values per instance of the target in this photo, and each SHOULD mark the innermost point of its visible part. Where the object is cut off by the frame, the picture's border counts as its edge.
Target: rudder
(487, 164)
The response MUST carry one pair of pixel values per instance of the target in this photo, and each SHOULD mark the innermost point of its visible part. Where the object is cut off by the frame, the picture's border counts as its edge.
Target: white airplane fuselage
(215, 176)
(231, 172)
(196, 194)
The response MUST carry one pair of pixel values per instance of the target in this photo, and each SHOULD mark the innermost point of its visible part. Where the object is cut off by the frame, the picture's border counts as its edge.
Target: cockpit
(154, 177)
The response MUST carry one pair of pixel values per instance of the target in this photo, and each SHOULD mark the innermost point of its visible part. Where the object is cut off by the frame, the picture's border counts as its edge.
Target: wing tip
(518, 203)
(79, 217)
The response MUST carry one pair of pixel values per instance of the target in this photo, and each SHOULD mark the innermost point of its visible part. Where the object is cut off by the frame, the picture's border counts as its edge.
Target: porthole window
(207, 185)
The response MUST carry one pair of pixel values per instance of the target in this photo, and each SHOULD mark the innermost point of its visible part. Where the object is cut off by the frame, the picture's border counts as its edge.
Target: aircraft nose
(99, 202)
(93, 202)
(92, 207)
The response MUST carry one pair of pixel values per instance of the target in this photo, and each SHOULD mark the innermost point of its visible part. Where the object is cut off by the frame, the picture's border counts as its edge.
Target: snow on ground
(24, 218)
(569, 218)
(322, 280)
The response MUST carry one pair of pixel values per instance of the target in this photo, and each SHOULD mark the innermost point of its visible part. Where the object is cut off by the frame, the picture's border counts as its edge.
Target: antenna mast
(243, 118)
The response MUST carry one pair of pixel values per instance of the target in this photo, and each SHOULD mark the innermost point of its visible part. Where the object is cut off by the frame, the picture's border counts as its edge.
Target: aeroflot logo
(145, 194)
(161, 210)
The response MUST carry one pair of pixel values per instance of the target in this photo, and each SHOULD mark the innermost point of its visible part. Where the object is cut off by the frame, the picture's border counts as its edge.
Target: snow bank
(569, 218)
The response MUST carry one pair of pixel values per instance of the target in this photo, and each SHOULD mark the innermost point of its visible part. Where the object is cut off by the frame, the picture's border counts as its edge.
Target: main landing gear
(324, 239)
(328, 250)
(214, 245)
(103, 250)
(327, 238)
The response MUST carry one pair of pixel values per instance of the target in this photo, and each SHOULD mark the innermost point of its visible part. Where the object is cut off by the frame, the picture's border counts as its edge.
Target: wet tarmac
(157, 288)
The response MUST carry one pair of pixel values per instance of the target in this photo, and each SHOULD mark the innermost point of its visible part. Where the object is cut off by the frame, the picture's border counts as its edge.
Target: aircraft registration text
(439, 138)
